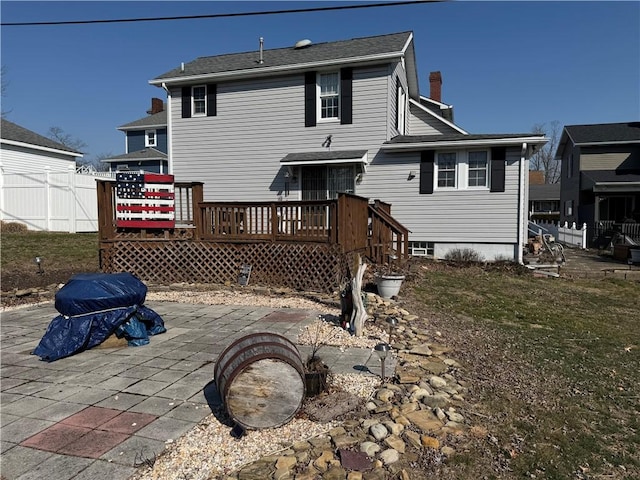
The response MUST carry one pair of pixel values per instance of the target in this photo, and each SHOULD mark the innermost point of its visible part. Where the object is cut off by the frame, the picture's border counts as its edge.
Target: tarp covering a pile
(94, 306)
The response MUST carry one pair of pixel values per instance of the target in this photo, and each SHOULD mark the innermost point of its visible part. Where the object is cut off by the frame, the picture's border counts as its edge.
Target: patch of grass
(63, 254)
(576, 398)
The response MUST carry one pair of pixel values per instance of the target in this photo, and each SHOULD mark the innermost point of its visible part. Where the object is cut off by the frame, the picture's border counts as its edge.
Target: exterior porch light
(382, 350)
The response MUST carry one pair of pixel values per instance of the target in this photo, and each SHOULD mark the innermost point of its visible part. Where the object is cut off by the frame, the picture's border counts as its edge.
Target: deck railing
(348, 221)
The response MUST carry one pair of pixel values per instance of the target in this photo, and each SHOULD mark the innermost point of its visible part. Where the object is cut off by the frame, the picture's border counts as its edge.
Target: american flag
(144, 200)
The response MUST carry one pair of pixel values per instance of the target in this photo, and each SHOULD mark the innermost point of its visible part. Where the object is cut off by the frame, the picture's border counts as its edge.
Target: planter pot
(389, 285)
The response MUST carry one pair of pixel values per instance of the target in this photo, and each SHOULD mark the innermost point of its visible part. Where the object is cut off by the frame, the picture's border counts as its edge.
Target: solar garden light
(392, 321)
(382, 349)
(38, 261)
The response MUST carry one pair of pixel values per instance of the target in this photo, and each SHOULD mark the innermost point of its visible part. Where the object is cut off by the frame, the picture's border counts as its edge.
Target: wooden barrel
(260, 378)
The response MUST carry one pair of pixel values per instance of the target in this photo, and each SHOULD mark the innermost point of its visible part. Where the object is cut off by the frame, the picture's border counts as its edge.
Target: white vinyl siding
(16, 159)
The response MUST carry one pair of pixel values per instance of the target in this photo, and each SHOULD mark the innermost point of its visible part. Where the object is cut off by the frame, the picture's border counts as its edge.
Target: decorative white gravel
(209, 450)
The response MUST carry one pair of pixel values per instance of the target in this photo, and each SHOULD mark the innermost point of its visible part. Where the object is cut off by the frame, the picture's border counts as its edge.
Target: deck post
(198, 214)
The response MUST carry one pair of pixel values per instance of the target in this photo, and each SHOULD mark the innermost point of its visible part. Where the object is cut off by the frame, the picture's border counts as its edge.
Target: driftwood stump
(359, 314)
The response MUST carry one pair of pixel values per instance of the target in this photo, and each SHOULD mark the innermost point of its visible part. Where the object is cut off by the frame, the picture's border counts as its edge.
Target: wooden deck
(305, 245)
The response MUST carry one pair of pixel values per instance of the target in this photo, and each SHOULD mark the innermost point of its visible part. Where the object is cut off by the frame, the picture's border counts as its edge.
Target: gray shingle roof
(336, 52)
(548, 191)
(16, 133)
(605, 132)
(144, 154)
(155, 120)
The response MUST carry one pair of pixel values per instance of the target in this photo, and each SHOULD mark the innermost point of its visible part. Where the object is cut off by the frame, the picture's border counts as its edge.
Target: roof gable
(15, 133)
(339, 52)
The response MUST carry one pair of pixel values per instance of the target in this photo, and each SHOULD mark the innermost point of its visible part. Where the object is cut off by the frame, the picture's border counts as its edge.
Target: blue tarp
(93, 306)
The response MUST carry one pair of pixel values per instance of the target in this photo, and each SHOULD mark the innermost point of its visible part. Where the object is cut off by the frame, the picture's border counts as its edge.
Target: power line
(220, 15)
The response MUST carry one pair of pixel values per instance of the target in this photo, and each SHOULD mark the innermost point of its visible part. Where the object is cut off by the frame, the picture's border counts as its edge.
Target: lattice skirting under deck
(300, 266)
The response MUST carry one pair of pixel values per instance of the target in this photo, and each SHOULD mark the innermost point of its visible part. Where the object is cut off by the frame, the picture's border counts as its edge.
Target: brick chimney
(435, 83)
(157, 106)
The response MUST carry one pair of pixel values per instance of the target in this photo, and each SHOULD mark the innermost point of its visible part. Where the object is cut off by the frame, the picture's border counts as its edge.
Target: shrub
(464, 255)
(13, 227)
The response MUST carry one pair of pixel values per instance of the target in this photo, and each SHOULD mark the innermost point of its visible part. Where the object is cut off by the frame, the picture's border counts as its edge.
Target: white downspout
(521, 206)
(169, 136)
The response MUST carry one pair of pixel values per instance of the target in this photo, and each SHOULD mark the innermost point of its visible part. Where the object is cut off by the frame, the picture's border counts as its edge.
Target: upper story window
(478, 169)
(447, 170)
(199, 97)
(329, 95)
(150, 138)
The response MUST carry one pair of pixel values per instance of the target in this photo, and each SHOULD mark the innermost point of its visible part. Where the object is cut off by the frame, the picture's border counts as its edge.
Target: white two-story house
(312, 120)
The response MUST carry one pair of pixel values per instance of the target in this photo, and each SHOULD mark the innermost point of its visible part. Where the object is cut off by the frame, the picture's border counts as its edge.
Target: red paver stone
(94, 444)
(128, 422)
(54, 437)
(91, 417)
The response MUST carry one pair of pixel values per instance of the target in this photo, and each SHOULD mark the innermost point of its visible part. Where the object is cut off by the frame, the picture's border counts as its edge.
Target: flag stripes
(145, 200)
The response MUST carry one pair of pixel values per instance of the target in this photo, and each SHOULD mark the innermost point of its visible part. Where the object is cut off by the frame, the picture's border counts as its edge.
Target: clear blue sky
(506, 66)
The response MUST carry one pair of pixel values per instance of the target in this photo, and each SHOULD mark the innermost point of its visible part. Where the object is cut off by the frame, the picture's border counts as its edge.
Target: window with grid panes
(199, 95)
(329, 84)
(447, 170)
(478, 167)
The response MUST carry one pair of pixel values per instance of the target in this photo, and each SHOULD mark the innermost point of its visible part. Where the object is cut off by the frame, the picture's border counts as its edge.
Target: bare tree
(99, 164)
(544, 159)
(59, 135)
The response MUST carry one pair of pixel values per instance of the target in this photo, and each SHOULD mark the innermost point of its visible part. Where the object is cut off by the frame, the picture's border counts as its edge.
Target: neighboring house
(544, 198)
(26, 151)
(544, 202)
(600, 173)
(40, 186)
(312, 120)
(145, 143)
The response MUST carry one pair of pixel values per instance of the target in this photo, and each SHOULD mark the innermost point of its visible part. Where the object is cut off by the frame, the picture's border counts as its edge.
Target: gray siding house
(145, 143)
(600, 173)
(312, 120)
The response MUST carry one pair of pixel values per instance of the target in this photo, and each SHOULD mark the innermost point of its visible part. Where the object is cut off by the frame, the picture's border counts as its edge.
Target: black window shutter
(186, 102)
(346, 96)
(310, 99)
(212, 100)
(426, 171)
(498, 159)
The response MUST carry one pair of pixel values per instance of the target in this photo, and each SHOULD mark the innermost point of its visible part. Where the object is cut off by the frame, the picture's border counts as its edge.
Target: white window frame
(320, 96)
(200, 101)
(150, 138)
(438, 169)
(461, 170)
(486, 170)
(402, 108)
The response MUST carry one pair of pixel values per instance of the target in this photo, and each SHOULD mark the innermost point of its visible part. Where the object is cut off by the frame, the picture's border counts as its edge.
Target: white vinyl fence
(54, 201)
(566, 234)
